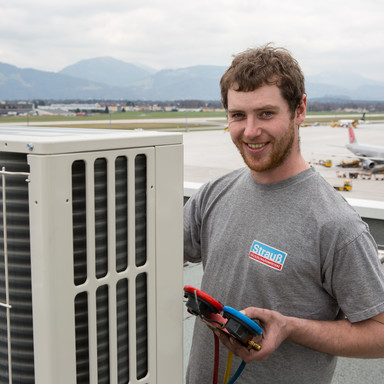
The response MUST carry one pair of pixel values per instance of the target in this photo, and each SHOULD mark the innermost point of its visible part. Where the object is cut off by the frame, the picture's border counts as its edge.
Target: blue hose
(237, 373)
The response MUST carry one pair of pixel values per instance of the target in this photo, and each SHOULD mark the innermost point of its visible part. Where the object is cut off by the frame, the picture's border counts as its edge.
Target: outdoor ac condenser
(90, 256)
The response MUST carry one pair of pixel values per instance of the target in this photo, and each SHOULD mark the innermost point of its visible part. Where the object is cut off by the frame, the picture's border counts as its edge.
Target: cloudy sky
(337, 35)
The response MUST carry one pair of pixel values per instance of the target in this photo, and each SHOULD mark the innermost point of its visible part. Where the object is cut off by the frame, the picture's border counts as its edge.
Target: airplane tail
(352, 137)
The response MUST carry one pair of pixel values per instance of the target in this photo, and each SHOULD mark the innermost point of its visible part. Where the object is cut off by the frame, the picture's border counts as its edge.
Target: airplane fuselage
(366, 150)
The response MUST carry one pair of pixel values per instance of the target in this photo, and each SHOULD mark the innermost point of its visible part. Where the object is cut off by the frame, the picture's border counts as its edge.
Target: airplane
(369, 155)
(345, 123)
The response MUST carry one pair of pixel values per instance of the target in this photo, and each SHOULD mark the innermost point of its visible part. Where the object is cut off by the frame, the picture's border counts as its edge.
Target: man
(277, 241)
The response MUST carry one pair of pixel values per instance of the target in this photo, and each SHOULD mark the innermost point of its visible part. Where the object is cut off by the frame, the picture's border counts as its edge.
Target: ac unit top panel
(49, 140)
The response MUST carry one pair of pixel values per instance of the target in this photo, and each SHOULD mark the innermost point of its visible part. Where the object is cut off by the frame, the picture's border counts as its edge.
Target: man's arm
(363, 339)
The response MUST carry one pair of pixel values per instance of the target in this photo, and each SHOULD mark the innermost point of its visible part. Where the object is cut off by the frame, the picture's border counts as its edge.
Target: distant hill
(198, 82)
(344, 85)
(108, 78)
(21, 84)
(107, 70)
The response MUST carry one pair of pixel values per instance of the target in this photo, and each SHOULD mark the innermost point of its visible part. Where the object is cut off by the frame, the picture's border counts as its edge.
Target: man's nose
(252, 127)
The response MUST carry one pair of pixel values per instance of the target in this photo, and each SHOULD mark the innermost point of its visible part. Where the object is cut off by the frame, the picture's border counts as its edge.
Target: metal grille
(79, 225)
(82, 337)
(16, 325)
(121, 227)
(122, 331)
(103, 268)
(141, 326)
(101, 217)
(141, 209)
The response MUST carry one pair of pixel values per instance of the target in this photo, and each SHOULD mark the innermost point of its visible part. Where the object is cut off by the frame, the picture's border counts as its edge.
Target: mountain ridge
(108, 78)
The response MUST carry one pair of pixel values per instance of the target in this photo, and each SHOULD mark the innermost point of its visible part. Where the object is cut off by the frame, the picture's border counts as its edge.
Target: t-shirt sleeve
(357, 279)
(192, 223)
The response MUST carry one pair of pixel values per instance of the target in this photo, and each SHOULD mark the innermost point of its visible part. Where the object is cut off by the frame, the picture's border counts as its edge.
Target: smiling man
(265, 133)
(277, 241)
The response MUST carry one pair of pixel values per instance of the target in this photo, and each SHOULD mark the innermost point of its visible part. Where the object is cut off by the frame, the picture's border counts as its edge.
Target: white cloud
(50, 35)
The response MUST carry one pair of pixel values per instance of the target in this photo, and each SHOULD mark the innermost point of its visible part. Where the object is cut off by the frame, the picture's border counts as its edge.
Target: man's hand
(275, 331)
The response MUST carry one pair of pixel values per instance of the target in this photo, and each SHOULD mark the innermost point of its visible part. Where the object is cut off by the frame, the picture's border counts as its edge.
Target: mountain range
(106, 78)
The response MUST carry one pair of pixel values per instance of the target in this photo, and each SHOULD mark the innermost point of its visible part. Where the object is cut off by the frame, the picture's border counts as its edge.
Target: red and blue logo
(269, 256)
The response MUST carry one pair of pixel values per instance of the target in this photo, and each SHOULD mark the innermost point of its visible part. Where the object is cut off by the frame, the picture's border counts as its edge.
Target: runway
(210, 154)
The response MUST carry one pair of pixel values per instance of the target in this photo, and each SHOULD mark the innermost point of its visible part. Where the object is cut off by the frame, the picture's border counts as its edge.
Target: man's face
(264, 131)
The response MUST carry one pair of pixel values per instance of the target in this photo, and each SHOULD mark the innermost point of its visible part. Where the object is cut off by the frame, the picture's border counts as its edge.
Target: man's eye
(237, 116)
(267, 115)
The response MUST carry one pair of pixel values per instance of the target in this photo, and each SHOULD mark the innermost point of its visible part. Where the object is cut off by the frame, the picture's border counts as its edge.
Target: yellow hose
(228, 367)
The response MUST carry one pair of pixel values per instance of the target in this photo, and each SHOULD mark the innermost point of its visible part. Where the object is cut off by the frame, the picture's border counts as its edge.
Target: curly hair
(265, 65)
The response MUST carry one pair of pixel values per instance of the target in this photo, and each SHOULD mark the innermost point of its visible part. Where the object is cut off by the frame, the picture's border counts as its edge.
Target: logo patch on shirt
(272, 257)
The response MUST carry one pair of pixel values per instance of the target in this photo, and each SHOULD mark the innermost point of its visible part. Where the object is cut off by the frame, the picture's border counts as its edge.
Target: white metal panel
(52, 265)
(169, 266)
(52, 269)
(368, 208)
(50, 140)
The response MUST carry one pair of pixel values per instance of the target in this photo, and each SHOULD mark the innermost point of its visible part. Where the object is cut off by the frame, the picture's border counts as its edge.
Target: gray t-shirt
(294, 246)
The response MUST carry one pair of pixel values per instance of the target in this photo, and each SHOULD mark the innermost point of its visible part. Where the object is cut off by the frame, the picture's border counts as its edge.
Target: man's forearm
(364, 339)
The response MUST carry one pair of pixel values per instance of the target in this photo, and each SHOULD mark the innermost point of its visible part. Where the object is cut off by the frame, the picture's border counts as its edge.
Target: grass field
(114, 120)
(112, 116)
(149, 126)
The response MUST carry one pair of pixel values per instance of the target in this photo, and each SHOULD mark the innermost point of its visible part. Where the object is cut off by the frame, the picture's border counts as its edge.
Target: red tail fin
(352, 138)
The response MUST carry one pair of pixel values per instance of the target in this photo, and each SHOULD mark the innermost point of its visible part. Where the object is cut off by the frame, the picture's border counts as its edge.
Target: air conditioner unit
(90, 256)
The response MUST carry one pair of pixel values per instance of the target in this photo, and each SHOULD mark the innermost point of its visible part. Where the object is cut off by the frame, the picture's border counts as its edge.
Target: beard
(281, 149)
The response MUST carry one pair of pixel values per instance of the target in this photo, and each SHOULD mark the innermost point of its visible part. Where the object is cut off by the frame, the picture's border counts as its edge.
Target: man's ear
(301, 110)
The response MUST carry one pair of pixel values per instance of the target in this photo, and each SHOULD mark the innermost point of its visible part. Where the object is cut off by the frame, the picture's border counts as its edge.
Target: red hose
(216, 365)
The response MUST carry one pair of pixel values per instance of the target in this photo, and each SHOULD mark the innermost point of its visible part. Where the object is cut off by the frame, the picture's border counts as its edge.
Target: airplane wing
(375, 159)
